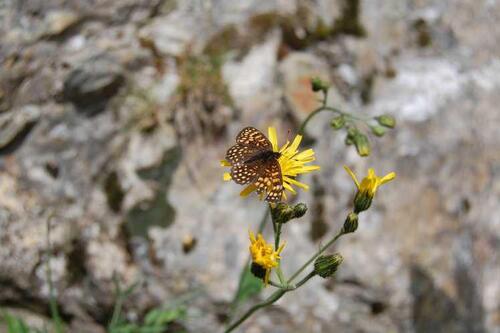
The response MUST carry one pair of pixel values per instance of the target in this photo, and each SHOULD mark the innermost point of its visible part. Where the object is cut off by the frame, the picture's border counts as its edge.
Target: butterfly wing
(270, 181)
(250, 136)
(244, 173)
(248, 167)
(239, 153)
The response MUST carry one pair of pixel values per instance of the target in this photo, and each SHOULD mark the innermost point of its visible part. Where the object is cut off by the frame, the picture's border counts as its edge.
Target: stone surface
(90, 86)
(115, 114)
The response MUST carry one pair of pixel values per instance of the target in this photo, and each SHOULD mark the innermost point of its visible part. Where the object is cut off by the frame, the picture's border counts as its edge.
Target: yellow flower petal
(289, 188)
(371, 182)
(247, 190)
(227, 176)
(263, 254)
(225, 163)
(295, 182)
(353, 176)
(296, 142)
(273, 137)
(387, 178)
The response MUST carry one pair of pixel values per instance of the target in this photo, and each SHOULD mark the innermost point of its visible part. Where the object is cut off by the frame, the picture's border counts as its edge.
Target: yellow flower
(263, 256)
(292, 163)
(367, 188)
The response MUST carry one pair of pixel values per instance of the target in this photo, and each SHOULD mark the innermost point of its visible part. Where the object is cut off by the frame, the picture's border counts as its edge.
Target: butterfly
(253, 161)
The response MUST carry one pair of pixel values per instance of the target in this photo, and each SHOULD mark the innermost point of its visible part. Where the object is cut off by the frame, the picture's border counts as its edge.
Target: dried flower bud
(386, 120)
(326, 265)
(351, 223)
(258, 271)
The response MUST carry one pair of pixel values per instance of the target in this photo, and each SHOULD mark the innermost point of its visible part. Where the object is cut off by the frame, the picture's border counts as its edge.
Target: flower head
(263, 255)
(367, 188)
(292, 163)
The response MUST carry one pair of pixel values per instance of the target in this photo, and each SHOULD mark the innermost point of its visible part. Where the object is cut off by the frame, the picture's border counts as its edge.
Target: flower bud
(299, 210)
(386, 120)
(258, 271)
(338, 122)
(326, 265)
(362, 201)
(378, 130)
(283, 213)
(351, 223)
(352, 132)
(362, 144)
(318, 85)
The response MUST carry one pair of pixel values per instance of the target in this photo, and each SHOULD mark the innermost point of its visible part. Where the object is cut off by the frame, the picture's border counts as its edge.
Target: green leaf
(250, 286)
(15, 325)
(164, 316)
(125, 328)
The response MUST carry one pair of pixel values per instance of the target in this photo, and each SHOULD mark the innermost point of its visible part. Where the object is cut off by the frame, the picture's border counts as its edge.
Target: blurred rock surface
(107, 133)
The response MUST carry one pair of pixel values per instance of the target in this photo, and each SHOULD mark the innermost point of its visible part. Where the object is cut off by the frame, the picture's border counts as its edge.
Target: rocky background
(114, 116)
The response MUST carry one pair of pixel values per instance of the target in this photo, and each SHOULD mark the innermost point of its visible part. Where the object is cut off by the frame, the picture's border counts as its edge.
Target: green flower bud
(362, 201)
(326, 265)
(362, 144)
(378, 130)
(351, 223)
(338, 122)
(386, 120)
(282, 213)
(352, 132)
(299, 210)
(318, 85)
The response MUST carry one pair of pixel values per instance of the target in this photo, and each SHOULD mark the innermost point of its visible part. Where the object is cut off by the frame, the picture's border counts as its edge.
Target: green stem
(317, 254)
(279, 285)
(330, 109)
(116, 312)
(270, 300)
(277, 235)
(310, 116)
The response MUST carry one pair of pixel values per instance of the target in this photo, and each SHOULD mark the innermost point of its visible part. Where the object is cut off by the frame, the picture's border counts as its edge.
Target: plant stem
(310, 116)
(116, 312)
(277, 234)
(330, 109)
(270, 300)
(317, 254)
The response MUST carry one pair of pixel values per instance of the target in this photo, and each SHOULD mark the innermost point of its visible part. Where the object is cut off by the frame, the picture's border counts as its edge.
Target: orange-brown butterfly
(253, 161)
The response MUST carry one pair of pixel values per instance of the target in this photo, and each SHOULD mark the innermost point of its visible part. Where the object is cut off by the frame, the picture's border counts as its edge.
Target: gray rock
(15, 126)
(91, 85)
(58, 21)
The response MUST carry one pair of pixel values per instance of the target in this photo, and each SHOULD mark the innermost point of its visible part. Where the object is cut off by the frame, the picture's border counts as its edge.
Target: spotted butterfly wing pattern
(250, 136)
(252, 164)
(269, 180)
(238, 153)
(243, 173)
